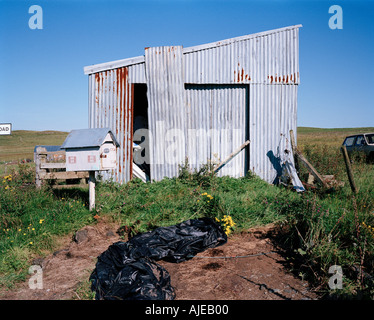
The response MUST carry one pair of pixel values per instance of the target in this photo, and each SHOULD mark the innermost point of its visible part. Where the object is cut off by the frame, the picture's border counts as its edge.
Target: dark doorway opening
(140, 127)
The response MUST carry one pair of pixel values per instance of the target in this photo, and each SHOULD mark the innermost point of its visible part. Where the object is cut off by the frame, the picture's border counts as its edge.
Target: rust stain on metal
(241, 75)
(131, 108)
(97, 80)
(122, 93)
(125, 118)
(97, 98)
(282, 79)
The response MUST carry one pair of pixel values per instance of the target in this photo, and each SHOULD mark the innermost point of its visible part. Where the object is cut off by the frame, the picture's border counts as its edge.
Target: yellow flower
(30, 242)
(41, 221)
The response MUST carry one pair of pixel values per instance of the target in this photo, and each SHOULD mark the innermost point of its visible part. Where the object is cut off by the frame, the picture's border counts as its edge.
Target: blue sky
(43, 87)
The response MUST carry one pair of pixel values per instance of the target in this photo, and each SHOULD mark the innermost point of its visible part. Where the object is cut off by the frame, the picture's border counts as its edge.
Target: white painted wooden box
(90, 150)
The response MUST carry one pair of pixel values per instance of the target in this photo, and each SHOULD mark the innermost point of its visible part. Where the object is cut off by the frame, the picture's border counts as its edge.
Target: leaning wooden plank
(62, 186)
(232, 155)
(65, 175)
(311, 169)
(349, 169)
(298, 155)
(293, 143)
(138, 173)
(51, 165)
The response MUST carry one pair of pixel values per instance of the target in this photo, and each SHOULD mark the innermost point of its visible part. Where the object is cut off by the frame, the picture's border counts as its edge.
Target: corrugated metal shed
(218, 94)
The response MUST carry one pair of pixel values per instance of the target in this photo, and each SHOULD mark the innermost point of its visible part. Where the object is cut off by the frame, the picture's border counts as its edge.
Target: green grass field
(330, 137)
(20, 144)
(319, 228)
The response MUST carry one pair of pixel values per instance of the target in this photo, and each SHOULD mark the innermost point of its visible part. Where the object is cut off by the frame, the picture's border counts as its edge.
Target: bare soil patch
(247, 267)
(66, 268)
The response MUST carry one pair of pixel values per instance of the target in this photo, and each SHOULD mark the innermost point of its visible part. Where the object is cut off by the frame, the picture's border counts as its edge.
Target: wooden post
(349, 169)
(40, 159)
(232, 155)
(91, 188)
(294, 150)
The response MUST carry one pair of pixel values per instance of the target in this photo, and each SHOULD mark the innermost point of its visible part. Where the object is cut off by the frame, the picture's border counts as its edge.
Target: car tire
(370, 157)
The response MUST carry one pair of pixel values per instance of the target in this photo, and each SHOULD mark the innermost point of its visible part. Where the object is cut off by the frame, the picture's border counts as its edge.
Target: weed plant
(31, 220)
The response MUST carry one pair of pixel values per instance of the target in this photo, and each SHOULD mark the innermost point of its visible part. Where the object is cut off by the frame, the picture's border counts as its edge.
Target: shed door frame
(226, 117)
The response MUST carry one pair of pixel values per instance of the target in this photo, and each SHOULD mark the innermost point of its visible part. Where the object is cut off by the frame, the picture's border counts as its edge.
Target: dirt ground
(258, 271)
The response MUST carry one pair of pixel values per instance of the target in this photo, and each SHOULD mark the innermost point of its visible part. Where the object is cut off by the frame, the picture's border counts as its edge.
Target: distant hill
(20, 144)
(341, 130)
(327, 137)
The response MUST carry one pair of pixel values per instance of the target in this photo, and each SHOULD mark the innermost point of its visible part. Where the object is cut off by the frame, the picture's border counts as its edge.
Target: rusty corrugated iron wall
(268, 63)
(111, 106)
(270, 57)
(272, 114)
(166, 109)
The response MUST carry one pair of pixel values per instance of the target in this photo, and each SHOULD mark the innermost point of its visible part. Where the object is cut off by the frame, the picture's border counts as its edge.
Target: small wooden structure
(90, 150)
(50, 165)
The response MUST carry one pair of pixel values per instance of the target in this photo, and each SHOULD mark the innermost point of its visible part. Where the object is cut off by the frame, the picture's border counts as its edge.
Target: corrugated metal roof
(85, 138)
(113, 65)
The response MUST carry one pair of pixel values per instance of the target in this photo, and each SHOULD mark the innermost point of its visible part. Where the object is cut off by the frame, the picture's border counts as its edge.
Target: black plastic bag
(137, 280)
(179, 242)
(126, 270)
